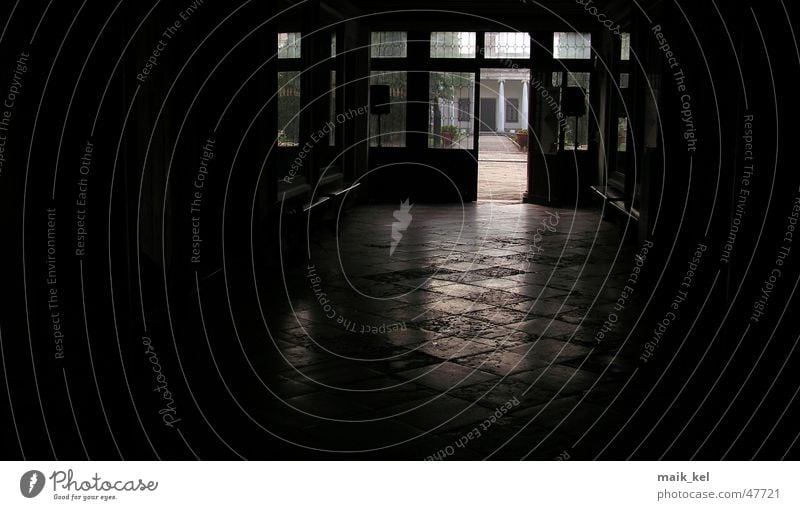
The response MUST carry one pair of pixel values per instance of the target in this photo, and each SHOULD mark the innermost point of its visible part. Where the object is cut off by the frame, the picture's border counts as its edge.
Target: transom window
(507, 45)
(289, 45)
(572, 45)
(625, 47)
(389, 45)
(453, 45)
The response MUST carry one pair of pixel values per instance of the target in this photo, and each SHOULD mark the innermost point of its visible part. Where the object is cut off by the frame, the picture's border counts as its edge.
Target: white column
(523, 109)
(501, 106)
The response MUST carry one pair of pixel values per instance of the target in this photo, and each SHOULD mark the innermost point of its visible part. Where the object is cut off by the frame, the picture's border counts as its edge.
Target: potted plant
(450, 134)
(282, 138)
(522, 138)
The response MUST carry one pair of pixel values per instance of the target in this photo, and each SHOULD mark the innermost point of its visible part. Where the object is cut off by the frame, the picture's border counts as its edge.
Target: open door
(503, 138)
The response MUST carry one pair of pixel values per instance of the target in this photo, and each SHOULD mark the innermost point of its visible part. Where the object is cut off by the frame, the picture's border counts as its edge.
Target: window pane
(622, 145)
(453, 45)
(547, 118)
(452, 109)
(571, 45)
(578, 80)
(652, 115)
(512, 110)
(389, 44)
(576, 135)
(289, 45)
(507, 45)
(390, 129)
(625, 51)
(288, 108)
(333, 44)
(332, 110)
(622, 134)
(464, 109)
(624, 78)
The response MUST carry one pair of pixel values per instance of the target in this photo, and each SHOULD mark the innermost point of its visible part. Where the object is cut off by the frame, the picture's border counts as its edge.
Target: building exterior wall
(513, 91)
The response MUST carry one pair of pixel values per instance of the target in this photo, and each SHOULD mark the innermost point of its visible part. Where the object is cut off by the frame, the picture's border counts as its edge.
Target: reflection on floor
(472, 335)
(502, 169)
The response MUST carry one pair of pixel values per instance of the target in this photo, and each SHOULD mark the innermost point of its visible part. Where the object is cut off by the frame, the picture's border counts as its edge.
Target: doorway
(488, 108)
(502, 143)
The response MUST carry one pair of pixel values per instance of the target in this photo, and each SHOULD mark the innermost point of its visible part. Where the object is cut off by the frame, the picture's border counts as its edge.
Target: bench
(331, 191)
(616, 201)
(320, 201)
(294, 207)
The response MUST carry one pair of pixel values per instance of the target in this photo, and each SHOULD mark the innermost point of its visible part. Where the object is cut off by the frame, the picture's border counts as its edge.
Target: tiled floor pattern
(477, 311)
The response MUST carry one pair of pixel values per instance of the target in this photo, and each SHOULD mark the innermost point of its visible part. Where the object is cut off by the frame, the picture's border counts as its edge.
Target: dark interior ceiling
(531, 13)
(499, 6)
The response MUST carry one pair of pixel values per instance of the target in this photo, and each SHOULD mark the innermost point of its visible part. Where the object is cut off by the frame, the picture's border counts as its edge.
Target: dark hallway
(398, 230)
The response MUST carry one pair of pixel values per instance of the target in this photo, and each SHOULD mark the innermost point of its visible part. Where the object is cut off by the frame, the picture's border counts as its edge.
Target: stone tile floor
(478, 311)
